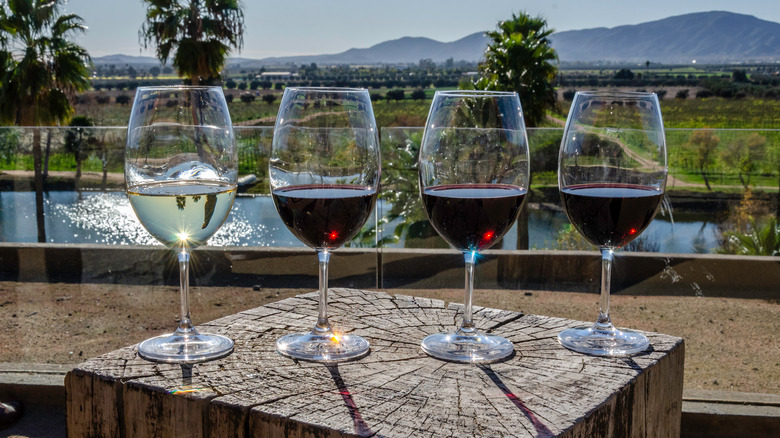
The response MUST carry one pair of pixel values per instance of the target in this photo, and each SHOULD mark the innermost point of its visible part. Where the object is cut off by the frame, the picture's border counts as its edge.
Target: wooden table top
(397, 390)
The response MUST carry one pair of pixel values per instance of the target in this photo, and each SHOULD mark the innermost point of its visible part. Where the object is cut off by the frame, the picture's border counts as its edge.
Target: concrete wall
(633, 273)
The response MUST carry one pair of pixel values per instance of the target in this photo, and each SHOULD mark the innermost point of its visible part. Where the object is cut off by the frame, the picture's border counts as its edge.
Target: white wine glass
(324, 172)
(180, 174)
(474, 173)
(612, 175)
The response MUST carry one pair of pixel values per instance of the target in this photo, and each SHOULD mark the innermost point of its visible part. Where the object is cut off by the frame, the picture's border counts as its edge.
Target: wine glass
(474, 175)
(324, 172)
(612, 175)
(180, 173)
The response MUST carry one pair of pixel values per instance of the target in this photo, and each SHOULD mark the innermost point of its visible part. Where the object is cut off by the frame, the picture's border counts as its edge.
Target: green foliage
(762, 239)
(400, 188)
(418, 94)
(269, 98)
(9, 144)
(624, 74)
(704, 143)
(544, 147)
(197, 34)
(739, 76)
(721, 113)
(396, 95)
(36, 85)
(569, 239)
(520, 58)
(78, 139)
(744, 154)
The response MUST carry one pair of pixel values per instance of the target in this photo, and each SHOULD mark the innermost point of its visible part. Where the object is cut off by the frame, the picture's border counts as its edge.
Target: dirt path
(253, 122)
(112, 177)
(670, 180)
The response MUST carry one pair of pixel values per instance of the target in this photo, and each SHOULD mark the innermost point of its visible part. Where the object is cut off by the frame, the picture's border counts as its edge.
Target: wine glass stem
(467, 325)
(606, 277)
(185, 324)
(323, 326)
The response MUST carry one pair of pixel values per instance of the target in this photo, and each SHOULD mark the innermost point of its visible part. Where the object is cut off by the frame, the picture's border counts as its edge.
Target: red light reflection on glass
(333, 235)
(488, 235)
(632, 231)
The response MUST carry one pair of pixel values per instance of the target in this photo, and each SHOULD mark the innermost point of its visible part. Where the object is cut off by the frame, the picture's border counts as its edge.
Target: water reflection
(107, 219)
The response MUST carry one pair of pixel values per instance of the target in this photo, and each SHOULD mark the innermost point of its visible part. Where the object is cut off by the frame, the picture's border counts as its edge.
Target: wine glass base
(469, 348)
(322, 348)
(601, 342)
(194, 348)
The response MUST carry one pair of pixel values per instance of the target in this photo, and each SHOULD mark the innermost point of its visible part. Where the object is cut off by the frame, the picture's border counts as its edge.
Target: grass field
(733, 122)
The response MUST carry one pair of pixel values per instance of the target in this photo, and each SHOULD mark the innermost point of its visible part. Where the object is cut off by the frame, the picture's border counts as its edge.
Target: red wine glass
(612, 175)
(324, 172)
(474, 175)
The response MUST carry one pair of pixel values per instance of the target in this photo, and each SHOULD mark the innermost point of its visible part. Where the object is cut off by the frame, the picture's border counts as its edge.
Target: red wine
(324, 216)
(472, 217)
(610, 215)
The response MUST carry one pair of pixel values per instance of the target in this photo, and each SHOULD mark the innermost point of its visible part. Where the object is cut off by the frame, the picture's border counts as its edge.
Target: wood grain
(397, 390)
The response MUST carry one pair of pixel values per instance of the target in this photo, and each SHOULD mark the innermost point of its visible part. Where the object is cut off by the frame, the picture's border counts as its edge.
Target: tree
(76, 140)
(418, 94)
(744, 154)
(396, 94)
(199, 34)
(739, 76)
(624, 74)
(10, 139)
(520, 58)
(704, 143)
(41, 68)
(269, 98)
(154, 71)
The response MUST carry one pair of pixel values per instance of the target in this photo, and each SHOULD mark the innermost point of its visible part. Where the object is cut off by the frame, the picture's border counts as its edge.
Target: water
(107, 218)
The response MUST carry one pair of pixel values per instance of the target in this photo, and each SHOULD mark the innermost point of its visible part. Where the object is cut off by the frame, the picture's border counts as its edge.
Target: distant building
(276, 75)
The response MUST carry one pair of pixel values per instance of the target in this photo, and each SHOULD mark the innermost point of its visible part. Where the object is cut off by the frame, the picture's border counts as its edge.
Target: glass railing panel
(695, 272)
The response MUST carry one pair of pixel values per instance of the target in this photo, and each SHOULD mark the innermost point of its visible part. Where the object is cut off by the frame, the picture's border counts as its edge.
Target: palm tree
(200, 33)
(42, 68)
(520, 58)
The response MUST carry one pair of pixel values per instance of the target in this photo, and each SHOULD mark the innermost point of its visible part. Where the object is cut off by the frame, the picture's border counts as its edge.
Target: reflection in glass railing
(721, 195)
(77, 293)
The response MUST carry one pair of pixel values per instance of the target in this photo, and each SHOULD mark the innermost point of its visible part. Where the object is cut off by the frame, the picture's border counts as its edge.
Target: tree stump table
(396, 391)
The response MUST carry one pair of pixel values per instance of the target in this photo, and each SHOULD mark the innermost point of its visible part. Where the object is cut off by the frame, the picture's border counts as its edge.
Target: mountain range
(707, 37)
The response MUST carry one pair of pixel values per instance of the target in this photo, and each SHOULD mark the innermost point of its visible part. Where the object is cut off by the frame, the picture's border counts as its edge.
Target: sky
(314, 27)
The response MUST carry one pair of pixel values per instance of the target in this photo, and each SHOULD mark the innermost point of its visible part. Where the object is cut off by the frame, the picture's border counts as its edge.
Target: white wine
(182, 213)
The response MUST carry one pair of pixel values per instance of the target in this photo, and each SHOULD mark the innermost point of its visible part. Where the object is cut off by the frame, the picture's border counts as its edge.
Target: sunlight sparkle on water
(108, 218)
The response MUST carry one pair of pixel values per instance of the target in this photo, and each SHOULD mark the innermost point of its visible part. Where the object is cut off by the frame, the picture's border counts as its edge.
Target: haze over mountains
(707, 37)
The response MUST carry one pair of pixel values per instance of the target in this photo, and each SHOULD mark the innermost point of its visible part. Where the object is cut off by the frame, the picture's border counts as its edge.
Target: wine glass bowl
(474, 173)
(324, 173)
(180, 174)
(611, 175)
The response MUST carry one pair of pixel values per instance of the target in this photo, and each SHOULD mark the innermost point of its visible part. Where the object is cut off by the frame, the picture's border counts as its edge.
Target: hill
(400, 51)
(707, 37)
